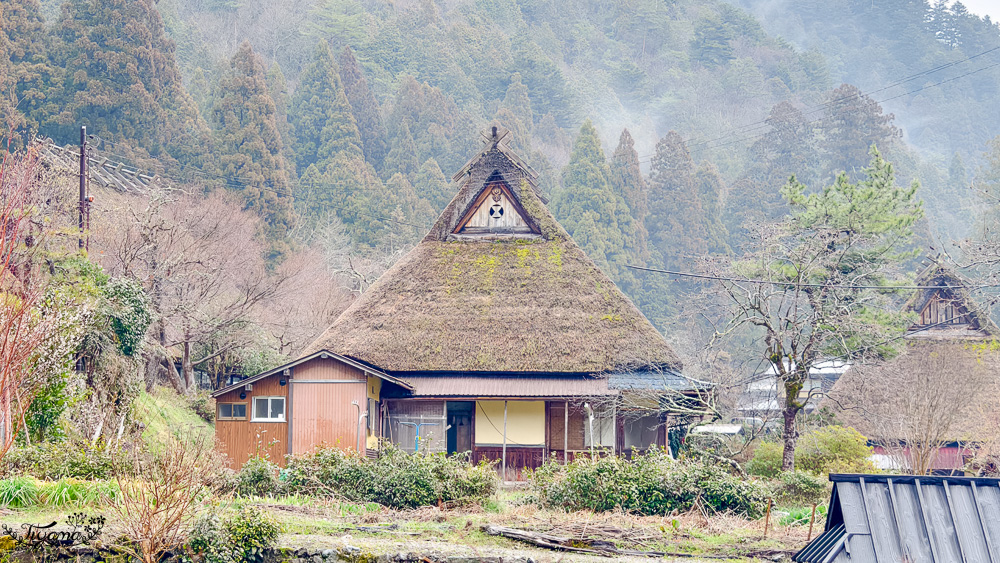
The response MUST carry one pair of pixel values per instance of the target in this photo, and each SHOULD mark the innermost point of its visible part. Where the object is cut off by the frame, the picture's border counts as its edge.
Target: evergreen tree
(710, 189)
(365, 109)
(27, 81)
(321, 115)
(248, 138)
(122, 81)
(712, 44)
(277, 87)
(402, 157)
(200, 90)
(413, 214)
(852, 124)
(676, 219)
(628, 184)
(431, 183)
(355, 193)
(587, 206)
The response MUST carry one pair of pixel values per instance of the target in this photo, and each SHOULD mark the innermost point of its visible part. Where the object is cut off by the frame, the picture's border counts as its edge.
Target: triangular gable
(495, 210)
(943, 308)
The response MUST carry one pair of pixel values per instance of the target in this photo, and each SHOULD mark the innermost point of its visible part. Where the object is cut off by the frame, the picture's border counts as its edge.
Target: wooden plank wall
(557, 422)
(242, 439)
(322, 413)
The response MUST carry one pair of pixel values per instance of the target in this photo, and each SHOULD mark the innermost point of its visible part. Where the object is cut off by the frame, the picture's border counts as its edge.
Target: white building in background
(762, 396)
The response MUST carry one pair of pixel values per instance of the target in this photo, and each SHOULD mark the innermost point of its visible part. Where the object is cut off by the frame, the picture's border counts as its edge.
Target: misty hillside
(345, 119)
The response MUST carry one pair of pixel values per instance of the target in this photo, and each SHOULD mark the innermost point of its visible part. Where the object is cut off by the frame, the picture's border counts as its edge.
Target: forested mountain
(661, 130)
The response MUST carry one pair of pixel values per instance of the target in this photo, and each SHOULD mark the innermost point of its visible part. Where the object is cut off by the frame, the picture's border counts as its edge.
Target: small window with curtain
(232, 411)
(269, 409)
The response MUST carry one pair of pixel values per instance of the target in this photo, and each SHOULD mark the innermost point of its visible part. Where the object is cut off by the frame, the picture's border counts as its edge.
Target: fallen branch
(601, 547)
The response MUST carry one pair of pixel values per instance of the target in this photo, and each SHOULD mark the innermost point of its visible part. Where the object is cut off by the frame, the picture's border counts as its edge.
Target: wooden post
(565, 432)
(767, 518)
(83, 181)
(503, 454)
(811, 520)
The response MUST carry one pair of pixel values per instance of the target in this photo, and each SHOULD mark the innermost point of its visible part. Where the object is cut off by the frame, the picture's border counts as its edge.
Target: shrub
(257, 477)
(57, 460)
(72, 492)
(395, 479)
(766, 461)
(800, 487)
(242, 538)
(204, 406)
(157, 495)
(834, 449)
(651, 484)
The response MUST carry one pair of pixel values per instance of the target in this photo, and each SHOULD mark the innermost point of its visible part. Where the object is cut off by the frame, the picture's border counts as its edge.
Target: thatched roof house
(923, 407)
(494, 335)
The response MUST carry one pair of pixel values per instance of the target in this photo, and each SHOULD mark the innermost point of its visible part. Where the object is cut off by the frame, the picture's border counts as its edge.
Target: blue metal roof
(893, 518)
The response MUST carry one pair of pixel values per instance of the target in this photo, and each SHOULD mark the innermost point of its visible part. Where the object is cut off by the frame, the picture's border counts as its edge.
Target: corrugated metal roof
(507, 386)
(664, 379)
(891, 518)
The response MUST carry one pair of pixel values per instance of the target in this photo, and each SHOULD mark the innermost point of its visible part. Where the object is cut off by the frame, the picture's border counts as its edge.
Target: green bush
(204, 406)
(395, 479)
(51, 461)
(800, 487)
(25, 492)
(834, 449)
(244, 537)
(651, 484)
(257, 477)
(766, 461)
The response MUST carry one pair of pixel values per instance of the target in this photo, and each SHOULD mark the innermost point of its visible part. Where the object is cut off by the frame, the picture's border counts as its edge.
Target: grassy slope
(165, 413)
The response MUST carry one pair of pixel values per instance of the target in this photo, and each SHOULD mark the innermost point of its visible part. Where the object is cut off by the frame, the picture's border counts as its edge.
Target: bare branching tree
(931, 395)
(817, 285)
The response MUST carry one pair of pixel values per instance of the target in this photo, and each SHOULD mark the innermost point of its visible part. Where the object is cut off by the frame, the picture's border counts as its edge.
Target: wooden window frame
(218, 411)
(269, 398)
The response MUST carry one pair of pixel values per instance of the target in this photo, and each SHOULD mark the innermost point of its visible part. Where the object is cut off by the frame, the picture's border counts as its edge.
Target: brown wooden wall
(557, 421)
(242, 439)
(322, 413)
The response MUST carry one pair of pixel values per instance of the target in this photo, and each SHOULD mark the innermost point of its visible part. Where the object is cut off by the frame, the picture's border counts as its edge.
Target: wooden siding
(323, 414)
(557, 423)
(242, 439)
(327, 369)
(941, 310)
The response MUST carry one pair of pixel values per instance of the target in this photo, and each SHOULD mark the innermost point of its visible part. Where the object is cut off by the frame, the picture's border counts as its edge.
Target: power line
(800, 284)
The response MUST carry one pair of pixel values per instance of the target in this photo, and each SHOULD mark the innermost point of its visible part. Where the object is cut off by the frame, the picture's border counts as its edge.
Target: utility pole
(84, 211)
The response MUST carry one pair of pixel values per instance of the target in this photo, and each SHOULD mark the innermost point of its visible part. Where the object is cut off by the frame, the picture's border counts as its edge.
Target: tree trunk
(174, 377)
(790, 436)
(188, 368)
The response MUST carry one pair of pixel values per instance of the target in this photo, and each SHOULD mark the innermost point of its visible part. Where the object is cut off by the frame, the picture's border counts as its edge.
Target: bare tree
(202, 262)
(817, 284)
(931, 395)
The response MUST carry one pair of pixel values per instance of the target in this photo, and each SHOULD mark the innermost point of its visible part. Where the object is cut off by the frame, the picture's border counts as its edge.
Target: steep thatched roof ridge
(936, 274)
(533, 304)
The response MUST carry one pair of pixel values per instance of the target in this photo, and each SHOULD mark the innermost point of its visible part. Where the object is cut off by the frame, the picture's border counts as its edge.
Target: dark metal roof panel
(665, 379)
(906, 518)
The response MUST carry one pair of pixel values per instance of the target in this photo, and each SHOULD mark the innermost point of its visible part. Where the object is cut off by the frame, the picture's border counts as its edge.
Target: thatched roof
(525, 302)
(948, 286)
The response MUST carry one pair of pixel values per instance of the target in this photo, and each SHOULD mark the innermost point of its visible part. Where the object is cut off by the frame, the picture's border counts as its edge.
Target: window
(269, 409)
(232, 411)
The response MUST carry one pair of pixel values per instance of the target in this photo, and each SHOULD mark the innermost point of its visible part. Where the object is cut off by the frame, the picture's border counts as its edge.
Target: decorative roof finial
(494, 131)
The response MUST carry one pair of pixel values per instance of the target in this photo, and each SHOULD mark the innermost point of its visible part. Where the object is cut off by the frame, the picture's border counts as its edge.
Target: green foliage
(800, 516)
(712, 44)
(650, 484)
(129, 313)
(52, 460)
(203, 405)
(766, 461)
(258, 477)
(18, 492)
(365, 108)
(587, 206)
(321, 115)
(834, 449)
(250, 143)
(243, 537)
(800, 487)
(27, 492)
(395, 479)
